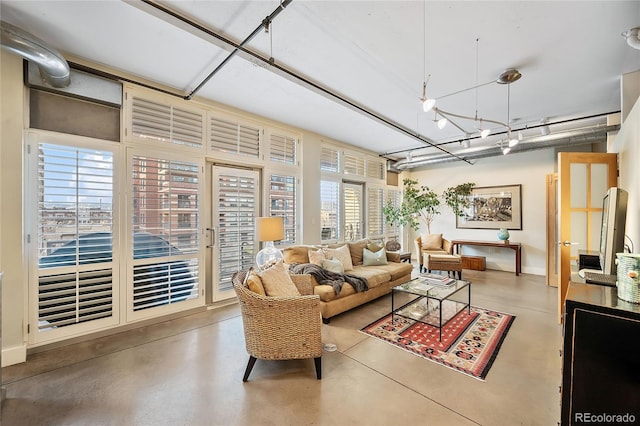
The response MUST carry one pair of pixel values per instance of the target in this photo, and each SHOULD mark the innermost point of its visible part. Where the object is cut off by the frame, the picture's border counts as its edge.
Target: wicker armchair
(279, 328)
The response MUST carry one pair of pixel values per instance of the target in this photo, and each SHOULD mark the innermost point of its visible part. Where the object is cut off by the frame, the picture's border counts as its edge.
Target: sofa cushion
(296, 254)
(277, 282)
(316, 256)
(333, 265)
(355, 249)
(371, 246)
(342, 254)
(396, 269)
(327, 293)
(431, 241)
(370, 258)
(374, 275)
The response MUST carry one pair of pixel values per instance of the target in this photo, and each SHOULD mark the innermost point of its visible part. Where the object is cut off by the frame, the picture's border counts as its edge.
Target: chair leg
(318, 362)
(326, 320)
(247, 371)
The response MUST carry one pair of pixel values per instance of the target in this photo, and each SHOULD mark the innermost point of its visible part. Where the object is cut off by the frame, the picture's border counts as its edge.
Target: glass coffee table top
(422, 287)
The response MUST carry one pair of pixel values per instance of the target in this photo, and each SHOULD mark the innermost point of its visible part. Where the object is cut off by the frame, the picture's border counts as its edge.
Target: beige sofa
(431, 244)
(380, 278)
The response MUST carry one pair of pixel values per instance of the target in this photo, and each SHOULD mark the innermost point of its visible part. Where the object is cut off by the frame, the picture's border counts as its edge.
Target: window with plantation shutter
(165, 233)
(329, 209)
(76, 269)
(353, 164)
(282, 202)
(233, 138)
(166, 123)
(375, 169)
(329, 159)
(374, 212)
(282, 149)
(353, 206)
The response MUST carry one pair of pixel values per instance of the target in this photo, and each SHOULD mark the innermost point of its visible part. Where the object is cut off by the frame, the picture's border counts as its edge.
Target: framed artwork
(493, 207)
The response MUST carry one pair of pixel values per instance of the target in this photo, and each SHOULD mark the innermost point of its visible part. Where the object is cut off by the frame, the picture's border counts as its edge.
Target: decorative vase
(503, 234)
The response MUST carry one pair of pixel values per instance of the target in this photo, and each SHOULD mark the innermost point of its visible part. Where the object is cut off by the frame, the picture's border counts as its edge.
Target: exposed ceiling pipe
(576, 137)
(263, 25)
(53, 67)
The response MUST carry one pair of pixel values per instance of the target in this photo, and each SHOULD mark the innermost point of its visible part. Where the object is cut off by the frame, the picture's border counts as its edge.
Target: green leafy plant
(422, 203)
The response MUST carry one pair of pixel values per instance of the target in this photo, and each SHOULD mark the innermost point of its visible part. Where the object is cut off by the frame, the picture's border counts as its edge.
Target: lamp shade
(269, 228)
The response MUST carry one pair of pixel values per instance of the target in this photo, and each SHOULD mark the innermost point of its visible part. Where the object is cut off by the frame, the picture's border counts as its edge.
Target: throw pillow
(333, 266)
(296, 254)
(255, 284)
(431, 241)
(277, 282)
(355, 248)
(343, 255)
(373, 247)
(370, 258)
(316, 257)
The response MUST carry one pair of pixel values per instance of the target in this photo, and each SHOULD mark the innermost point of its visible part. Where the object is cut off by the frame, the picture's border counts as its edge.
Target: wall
(503, 170)
(11, 236)
(627, 145)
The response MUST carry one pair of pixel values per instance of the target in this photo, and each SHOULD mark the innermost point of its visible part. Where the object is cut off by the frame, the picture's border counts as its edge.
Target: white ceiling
(376, 54)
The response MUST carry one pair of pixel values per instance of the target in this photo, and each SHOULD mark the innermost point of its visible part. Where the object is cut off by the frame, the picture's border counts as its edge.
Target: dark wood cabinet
(601, 357)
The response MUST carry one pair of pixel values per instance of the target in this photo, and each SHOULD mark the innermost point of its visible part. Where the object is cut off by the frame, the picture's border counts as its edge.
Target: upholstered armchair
(282, 327)
(431, 244)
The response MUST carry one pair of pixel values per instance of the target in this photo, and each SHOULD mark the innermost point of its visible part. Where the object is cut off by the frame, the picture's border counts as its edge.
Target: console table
(517, 247)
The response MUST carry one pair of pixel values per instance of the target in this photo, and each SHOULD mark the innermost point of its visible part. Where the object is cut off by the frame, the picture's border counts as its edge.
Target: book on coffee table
(436, 279)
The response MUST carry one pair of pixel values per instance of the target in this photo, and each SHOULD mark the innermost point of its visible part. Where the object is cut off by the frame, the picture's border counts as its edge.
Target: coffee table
(435, 305)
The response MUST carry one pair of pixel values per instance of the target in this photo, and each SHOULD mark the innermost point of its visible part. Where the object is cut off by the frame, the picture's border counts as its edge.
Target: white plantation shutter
(233, 137)
(353, 164)
(282, 202)
(375, 169)
(374, 212)
(352, 212)
(165, 233)
(236, 198)
(329, 209)
(166, 123)
(329, 159)
(76, 269)
(282, 149)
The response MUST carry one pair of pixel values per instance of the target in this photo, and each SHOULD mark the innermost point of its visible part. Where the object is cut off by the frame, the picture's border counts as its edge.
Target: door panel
(583, 180)
(235, 208)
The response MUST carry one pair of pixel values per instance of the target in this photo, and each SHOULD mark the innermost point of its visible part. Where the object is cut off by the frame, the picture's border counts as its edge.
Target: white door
(236, 201)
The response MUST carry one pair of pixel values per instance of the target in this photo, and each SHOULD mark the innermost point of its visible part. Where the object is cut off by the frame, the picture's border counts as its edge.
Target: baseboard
(15, 355)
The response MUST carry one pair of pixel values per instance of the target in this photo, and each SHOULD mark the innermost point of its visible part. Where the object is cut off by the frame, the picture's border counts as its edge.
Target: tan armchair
(279, 328)
(445, 248)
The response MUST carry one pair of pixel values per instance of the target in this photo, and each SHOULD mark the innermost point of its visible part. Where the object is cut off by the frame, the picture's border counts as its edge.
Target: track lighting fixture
(442, 123)
(506, 150)
(484, 132)
(633, 37)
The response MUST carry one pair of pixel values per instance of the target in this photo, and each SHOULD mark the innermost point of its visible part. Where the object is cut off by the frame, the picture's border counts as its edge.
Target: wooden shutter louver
(375, 169)
(234, 138)
(166, 123)
(283, 149)
(329, 159)
(353, 165)
(374, 204)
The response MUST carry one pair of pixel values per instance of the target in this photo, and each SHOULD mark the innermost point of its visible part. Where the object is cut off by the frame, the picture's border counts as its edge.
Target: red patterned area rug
(470, 342)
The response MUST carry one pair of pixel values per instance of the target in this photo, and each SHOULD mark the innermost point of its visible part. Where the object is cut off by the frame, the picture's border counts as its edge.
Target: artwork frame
(493, 207)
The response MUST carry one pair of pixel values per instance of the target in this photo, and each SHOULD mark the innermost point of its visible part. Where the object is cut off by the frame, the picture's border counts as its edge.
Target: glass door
(236, 195)
(353, 214)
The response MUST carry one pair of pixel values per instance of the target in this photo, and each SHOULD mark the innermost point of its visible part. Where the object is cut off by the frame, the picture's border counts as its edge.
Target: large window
(76, 268)
(282, 202)
(329, 210)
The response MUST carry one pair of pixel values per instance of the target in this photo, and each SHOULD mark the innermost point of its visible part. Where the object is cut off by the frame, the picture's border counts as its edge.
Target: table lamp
(268, 230)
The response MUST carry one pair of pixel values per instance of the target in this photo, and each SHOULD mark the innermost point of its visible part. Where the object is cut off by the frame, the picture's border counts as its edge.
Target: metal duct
(575, 137)
(53, 66)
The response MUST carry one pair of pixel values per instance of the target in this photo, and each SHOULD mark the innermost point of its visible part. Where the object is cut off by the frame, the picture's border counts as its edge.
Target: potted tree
(422, 203)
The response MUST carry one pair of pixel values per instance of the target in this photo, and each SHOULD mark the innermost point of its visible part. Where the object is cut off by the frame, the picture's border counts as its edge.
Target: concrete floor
(188, 371)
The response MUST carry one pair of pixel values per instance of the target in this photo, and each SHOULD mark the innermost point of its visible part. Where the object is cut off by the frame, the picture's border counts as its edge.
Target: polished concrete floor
(188, 371)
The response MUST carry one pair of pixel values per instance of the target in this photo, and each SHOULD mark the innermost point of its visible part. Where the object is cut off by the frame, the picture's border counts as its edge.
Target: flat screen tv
(614, 217)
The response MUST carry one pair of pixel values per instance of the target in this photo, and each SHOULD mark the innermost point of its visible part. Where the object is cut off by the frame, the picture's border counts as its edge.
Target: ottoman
(444, 262)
